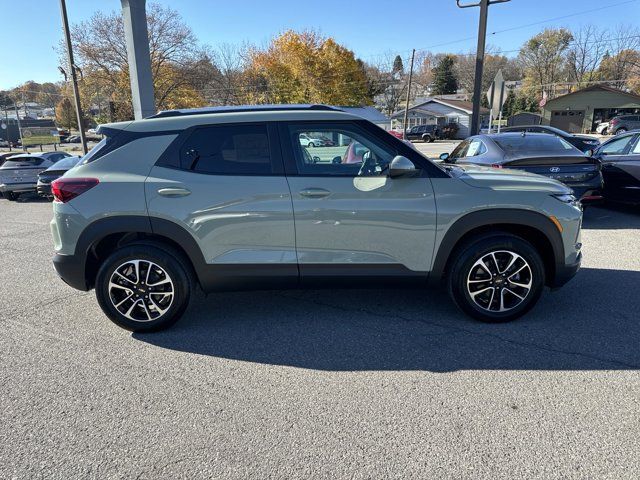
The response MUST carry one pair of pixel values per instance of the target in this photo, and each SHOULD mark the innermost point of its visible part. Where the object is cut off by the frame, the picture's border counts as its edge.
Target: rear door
(225, 185)
(351, 220)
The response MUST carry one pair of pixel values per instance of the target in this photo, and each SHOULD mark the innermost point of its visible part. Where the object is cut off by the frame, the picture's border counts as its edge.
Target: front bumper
(566, 272)
(17, 187)
(71, 270)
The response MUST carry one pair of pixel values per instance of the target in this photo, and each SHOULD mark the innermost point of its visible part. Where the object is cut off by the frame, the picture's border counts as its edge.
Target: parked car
(543, 154)
(584, 143)
(72, 139)
(396, 134)
(54, 156)
(19, 174)
(4, 143)
(624, 123)
(224, 201)
(312, 141)
(55, 171)
(602, 128)
(620, 157)
(425, 133)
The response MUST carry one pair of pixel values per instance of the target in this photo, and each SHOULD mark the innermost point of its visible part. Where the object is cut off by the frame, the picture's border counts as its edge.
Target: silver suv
(233, 198)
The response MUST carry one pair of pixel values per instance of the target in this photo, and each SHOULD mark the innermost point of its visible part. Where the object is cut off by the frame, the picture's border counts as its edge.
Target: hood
(506, 179)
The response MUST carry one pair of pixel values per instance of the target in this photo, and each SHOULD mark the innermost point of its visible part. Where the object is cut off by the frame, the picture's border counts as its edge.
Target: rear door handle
(315, 192)
(174, 192)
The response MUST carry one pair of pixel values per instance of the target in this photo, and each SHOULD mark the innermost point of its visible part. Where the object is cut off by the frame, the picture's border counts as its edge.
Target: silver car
(232, 198)
(19, 174)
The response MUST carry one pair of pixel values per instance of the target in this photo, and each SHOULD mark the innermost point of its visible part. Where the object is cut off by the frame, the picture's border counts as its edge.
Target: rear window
(527, 144)
(65, 163)
(228, 150)
(93, 153)
(21, 162)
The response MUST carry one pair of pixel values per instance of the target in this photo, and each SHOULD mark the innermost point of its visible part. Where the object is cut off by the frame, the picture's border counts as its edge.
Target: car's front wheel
(496, 278)
(621, 130)
(143, 288)
(12, 196)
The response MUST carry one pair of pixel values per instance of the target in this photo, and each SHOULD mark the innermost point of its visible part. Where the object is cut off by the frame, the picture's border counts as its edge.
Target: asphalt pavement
(321, 384)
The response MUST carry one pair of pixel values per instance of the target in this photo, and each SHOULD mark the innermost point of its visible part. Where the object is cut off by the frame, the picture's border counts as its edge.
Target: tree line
(308, 67)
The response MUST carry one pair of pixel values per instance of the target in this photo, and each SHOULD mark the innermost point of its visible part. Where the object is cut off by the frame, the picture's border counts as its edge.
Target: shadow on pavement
(593, 323)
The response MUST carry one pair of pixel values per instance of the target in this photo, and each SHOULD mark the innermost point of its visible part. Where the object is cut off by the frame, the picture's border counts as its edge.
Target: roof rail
(242, 108)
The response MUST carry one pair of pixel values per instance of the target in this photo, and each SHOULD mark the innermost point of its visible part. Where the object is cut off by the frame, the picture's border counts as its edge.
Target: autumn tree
(305, 67)
(465, 69)
(543, 58)
(66, 114)
(444, 77)
(99, 44)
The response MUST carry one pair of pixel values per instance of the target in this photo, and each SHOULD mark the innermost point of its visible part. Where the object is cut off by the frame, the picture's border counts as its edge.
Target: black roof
(243, 108)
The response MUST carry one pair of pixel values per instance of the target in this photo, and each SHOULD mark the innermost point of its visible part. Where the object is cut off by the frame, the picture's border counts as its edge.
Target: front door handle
(315, 192)
(174, 192)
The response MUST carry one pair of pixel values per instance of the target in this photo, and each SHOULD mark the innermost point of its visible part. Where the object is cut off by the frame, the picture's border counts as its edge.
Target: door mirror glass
(444, 157)
(401, 167)
(589, 153)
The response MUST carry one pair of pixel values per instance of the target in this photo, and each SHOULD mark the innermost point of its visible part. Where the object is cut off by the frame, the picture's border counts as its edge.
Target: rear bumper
(44, 190)
(71, 270)
(17, 187)
(565, 272)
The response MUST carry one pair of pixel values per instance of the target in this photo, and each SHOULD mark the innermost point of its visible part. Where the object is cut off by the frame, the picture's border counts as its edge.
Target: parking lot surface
(321, 384)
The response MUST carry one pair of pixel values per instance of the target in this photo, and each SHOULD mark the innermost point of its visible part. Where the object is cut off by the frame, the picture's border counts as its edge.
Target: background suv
(623, 123)
(425, 133)
(232, 199)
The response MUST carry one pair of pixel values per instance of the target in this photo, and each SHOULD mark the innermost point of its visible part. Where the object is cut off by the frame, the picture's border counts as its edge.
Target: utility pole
(15, 105)
(482, 38)
(6, 123)
(74, 77)
(406, 106)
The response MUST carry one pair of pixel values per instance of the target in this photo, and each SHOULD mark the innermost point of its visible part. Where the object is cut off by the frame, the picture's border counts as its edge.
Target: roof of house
(594, 88)
(461, 105)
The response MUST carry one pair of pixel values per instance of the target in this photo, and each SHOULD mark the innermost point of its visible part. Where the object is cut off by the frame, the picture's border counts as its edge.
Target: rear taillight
(496, 165)
(65, 189)
(613, 121)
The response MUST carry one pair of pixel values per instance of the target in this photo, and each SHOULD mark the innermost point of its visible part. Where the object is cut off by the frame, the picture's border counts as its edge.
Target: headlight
(566, 198)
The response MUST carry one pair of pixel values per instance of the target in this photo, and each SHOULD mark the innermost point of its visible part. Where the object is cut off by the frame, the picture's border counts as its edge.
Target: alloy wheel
(499, 281)
(141, 290)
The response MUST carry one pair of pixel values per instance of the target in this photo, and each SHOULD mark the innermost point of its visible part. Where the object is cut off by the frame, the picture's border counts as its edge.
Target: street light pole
(482, 38)
(74, 77)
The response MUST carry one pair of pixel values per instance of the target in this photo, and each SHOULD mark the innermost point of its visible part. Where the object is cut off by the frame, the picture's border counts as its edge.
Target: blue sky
(368, 27)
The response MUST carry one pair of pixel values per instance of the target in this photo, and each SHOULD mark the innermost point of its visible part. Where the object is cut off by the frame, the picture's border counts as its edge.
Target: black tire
(462, 269)
(620, 131)
(427, 139)
(174, 269)
(311, 144)
(11, 196)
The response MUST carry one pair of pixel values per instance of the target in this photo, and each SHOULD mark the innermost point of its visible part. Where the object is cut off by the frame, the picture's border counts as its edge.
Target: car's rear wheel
(143, 288)
(311, 144)
(11, 196)
(427, 139)
(496, 278)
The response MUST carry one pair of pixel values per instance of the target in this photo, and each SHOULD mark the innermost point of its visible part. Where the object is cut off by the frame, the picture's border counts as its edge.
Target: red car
(395, 133)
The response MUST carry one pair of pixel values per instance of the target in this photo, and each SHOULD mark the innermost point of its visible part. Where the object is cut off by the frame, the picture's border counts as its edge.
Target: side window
(345, 151)
(617, 146)
(461, 150)
(636, 148)
(228, 150)
(476, 147)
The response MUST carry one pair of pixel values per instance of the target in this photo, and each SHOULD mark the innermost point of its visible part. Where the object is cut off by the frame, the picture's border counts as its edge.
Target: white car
(307, 141)
(602, 128)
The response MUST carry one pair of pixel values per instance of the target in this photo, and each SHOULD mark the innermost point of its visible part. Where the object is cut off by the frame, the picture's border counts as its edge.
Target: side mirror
(589, 153)
(444, 157)
(401, 167)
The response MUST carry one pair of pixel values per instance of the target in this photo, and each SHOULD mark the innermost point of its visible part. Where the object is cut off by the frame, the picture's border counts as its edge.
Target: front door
(351, 219)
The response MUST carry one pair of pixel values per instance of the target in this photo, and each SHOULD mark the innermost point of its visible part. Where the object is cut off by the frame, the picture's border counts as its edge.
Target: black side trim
(496, 217)
(349, 275)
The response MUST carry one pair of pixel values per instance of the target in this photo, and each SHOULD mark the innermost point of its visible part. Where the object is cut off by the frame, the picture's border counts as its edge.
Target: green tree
(444, 78)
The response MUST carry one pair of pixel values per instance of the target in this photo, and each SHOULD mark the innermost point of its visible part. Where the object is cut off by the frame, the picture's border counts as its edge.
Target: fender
(485, 218)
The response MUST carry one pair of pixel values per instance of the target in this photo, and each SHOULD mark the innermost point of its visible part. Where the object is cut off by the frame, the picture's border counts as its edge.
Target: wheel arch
(103, 236)
(533, 227)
